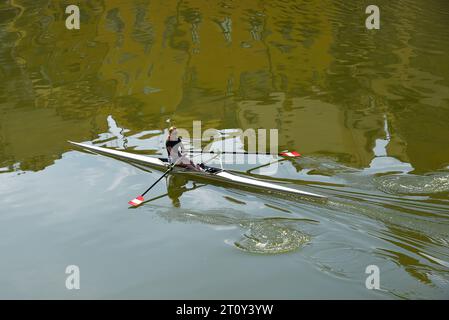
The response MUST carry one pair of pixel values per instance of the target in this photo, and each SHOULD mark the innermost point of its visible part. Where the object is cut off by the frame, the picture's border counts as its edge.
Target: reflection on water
(272, 235)
(176, 185)
(245, 65)
(368, 110)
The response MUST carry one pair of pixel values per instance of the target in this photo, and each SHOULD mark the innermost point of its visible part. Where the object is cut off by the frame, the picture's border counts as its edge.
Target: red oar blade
(290, 154)
(136, 202)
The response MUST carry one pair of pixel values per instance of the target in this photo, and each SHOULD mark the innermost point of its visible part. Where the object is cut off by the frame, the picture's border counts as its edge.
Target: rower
(175, 151)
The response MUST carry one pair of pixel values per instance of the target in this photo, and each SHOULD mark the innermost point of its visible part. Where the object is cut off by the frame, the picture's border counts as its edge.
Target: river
(367, 109)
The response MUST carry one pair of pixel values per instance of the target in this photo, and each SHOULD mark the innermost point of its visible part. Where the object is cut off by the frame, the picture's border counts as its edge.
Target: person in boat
(175, 150)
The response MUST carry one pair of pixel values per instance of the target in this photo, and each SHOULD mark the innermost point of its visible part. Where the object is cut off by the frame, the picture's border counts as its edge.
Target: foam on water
(413, 184)
(271, 238)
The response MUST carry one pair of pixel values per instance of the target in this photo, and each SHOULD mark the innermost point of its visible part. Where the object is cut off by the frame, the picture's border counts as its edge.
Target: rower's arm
(169, 150)
(181, 146)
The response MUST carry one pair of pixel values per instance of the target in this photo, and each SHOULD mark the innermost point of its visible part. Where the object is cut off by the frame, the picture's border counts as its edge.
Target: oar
(265, 165)
(282, 154)
(138, 200)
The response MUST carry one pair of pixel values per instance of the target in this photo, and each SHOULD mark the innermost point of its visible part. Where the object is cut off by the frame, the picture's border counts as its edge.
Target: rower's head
(173, 132)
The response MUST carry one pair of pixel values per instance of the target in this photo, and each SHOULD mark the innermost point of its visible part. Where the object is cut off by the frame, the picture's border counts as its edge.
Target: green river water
(367, 109)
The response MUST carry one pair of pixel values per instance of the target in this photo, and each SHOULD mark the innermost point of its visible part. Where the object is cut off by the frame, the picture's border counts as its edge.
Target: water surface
(368, 109)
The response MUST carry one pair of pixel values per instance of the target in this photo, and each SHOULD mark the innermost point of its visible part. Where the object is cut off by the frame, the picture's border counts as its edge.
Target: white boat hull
(221, 175)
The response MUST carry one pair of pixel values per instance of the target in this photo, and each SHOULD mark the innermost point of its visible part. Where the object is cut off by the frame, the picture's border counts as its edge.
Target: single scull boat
(210, 173)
